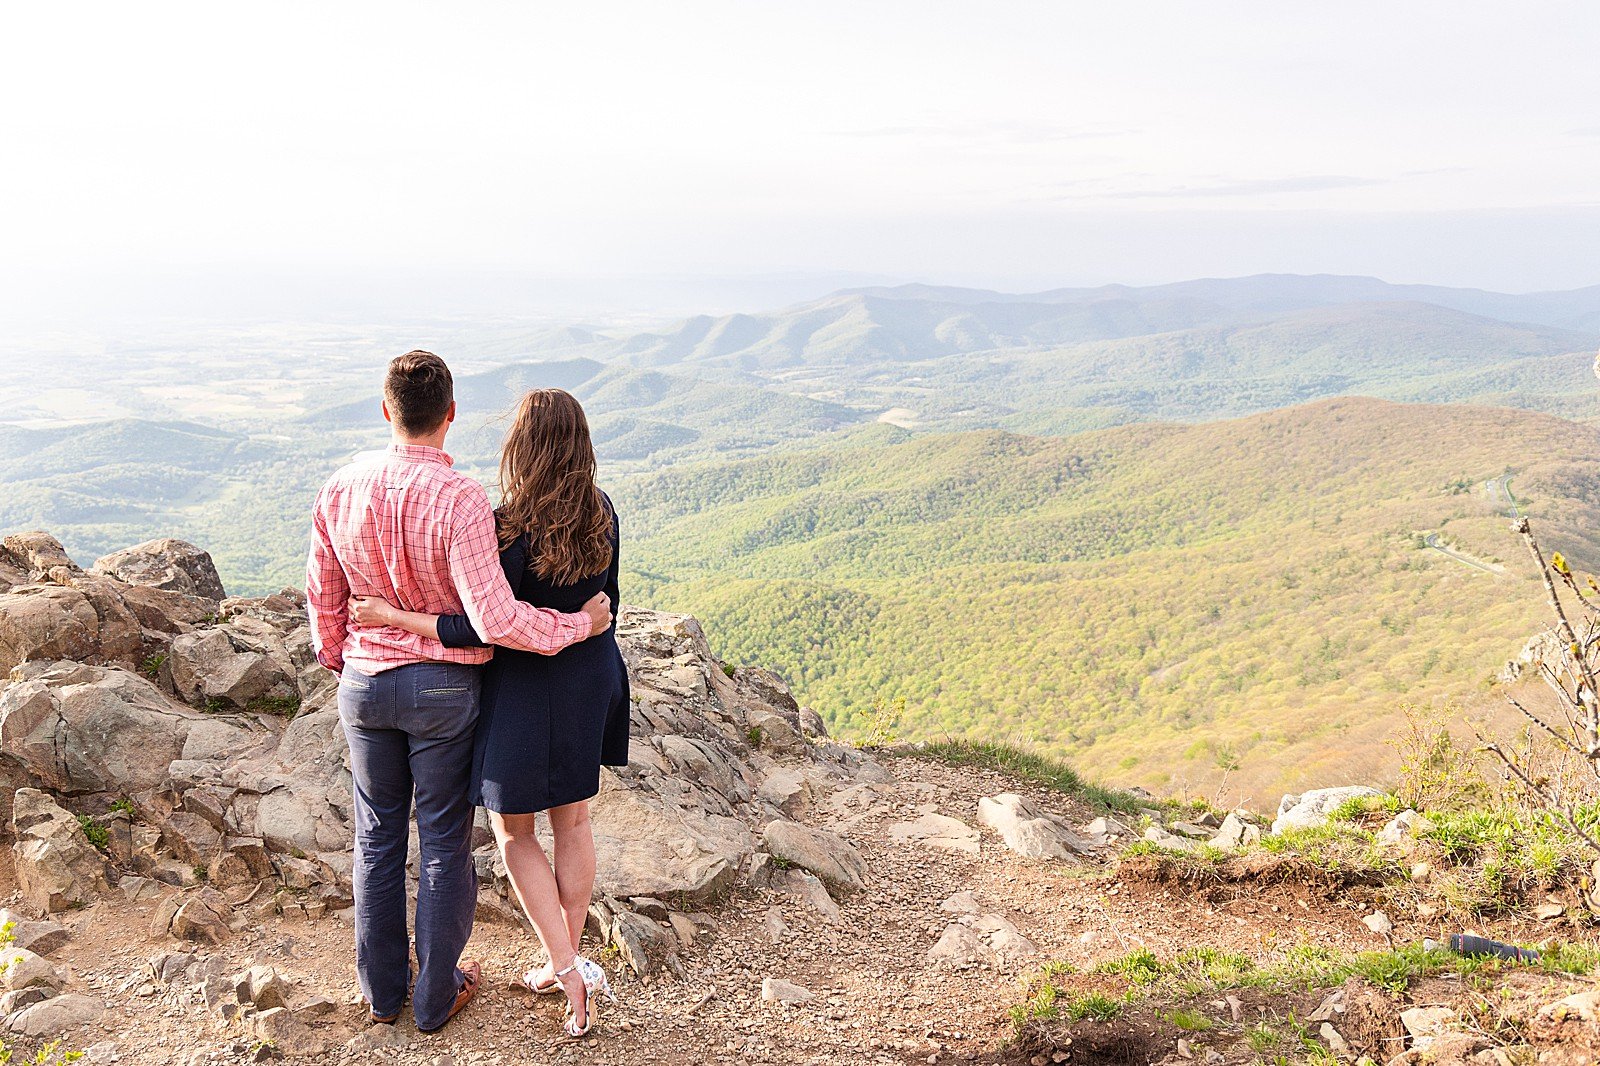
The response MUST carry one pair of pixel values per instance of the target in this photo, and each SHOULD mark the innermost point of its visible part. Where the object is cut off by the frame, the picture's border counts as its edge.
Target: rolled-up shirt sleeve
(327, 593)
(496, 614)
(455, 630)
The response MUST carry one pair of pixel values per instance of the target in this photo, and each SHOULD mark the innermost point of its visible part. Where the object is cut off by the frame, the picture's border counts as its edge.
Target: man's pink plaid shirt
(404, 526)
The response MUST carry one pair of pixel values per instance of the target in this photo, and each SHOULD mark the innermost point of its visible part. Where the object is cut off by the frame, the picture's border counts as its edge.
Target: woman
(547, 722)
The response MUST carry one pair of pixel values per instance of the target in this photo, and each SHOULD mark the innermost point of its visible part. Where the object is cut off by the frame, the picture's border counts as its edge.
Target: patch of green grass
(98, 834)
(1096, 1005)
(753, 736)
(1146, 847)
(1039, 769)
(152, 665)
(8, 934)
(1571, 958)
(124, 805)
(280, 706)
(1356, 808)
(1199, 974)
(1140, 966)
(728, 669)
(1188, 1019)
(214, 705)
(1262, 1038)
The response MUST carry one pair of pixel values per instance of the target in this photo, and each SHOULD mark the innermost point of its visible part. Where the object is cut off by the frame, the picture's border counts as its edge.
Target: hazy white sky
(1007, 144)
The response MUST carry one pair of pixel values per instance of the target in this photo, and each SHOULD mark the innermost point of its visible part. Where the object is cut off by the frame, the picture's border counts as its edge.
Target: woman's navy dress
(548, 722)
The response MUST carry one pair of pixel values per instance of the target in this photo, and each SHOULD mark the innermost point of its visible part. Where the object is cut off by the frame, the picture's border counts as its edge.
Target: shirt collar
(421, 453)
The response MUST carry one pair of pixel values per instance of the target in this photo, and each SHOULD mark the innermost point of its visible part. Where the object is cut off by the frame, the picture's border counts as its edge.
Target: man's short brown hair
(419, 392)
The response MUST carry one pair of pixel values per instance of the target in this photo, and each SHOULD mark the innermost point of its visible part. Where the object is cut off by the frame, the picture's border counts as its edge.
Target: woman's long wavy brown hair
(547, 489)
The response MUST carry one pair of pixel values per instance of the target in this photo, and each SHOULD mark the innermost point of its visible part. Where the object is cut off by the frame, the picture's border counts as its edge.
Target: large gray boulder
(1311, 809)
(47, 622)
(833, 859)
(1029, 830)
(57, 868)
(173, 565)
(645, 846)
(226, 668)
(56, 1016)
(986, 938)
(76, 728)
(302, 801)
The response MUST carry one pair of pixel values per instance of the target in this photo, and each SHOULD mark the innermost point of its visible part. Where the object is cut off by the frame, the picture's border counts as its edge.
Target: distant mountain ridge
(918, 321)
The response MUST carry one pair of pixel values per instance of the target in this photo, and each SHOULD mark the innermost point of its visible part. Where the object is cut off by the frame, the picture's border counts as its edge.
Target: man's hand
(599, 611)
(370, 611)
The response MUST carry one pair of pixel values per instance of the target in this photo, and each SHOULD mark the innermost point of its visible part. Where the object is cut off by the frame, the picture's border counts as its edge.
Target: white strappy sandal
(594, 981)
(529, 982)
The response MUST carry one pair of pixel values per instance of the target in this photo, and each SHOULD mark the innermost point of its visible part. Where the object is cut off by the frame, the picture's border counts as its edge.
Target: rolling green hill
(963, 499)
(1152, 601)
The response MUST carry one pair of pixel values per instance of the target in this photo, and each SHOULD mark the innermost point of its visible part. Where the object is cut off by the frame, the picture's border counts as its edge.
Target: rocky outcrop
(210, 724)
(77, 728)
(173, 565)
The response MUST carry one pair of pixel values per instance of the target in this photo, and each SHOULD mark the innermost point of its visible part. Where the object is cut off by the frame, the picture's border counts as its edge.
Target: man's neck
(432, 440)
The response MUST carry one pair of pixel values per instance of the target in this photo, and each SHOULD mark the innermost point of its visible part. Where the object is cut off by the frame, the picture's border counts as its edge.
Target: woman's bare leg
(574, 865)
(534, 882)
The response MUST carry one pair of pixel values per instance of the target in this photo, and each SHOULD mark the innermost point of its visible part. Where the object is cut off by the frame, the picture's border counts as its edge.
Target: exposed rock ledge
(137, 681)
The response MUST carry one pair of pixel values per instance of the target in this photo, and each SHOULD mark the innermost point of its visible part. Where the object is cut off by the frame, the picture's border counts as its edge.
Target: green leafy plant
(883, 721)
(152, 665)
(48, 1055)
(98, 834)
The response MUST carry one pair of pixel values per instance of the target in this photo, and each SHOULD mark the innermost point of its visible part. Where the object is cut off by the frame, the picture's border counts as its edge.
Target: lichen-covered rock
(172, 565)
(35, 554)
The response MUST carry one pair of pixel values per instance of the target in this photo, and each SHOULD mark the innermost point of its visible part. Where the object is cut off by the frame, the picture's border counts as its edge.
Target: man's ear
(450, 416)
(386, 416)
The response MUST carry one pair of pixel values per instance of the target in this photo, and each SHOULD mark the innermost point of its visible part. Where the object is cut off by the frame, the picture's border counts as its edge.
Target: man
(404, 526)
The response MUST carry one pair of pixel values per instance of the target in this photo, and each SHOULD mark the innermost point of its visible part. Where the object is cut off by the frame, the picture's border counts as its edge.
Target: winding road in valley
(1499, 492)
(1433, 542)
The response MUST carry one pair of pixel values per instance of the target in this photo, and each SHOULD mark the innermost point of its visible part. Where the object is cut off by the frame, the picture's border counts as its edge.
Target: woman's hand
(371, 611)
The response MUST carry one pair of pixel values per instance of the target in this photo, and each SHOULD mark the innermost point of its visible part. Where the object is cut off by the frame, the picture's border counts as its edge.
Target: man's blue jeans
(410, 731)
